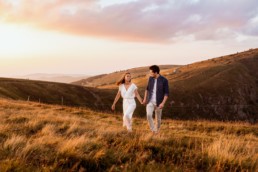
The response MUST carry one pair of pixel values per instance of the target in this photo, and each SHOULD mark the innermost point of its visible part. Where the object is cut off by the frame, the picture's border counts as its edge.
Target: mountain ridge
(62, 78)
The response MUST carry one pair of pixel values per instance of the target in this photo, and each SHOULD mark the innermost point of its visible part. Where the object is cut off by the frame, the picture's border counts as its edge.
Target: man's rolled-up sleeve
(148, 85)
(166, 88)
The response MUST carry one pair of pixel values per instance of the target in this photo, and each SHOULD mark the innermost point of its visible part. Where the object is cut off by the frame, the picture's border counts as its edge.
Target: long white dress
(129, 104)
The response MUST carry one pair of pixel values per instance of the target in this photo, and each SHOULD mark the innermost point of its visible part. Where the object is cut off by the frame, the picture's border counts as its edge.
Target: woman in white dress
(128, 91)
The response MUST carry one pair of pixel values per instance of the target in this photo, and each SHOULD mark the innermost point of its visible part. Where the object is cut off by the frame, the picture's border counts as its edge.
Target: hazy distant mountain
(63, 78)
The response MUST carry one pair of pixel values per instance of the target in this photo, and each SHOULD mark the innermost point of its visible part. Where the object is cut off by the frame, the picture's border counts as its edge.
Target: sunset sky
(102, 36)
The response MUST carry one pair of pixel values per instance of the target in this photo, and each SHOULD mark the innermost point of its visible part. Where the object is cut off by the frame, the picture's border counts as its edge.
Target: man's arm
(162, 104)
(166, 92)
(146, 93)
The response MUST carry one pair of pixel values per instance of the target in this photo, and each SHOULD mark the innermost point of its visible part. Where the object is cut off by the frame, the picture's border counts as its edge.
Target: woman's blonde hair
(122, 80)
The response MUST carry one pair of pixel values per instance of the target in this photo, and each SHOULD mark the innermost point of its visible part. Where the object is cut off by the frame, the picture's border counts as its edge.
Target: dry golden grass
(39, 137)
(108, 80)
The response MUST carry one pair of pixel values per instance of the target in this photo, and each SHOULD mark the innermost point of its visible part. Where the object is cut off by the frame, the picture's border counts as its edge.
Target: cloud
(142, 20)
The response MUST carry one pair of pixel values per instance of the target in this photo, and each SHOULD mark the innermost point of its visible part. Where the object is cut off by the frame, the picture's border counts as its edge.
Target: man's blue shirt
(162, 89)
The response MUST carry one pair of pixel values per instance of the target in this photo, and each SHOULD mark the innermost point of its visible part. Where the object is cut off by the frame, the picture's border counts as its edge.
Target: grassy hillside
(223, 88)
(107, 79)
(40, 137)
(52, 93)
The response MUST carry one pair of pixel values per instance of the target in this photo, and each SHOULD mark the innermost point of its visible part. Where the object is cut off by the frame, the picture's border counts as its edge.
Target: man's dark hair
(155, 69)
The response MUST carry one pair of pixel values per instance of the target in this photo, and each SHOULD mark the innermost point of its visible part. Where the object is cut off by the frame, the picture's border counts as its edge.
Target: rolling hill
(223, 88)
(51, 93)
(107, 79)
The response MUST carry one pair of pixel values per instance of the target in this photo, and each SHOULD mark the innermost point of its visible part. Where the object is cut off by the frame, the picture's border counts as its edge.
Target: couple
(156, 95)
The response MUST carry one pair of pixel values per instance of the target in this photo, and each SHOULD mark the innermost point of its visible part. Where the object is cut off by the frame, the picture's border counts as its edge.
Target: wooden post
(62, 100)
(28, 98)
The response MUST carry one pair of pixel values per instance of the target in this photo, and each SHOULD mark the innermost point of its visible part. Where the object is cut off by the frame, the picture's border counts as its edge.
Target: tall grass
(38, 137)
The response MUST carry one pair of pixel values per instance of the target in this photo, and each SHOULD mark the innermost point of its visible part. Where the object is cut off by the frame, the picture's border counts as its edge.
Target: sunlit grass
(39, 137)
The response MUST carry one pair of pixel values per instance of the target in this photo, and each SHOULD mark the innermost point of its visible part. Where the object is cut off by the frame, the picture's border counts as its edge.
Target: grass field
(39, 137)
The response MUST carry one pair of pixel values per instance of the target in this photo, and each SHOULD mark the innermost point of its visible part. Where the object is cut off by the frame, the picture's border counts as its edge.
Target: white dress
(129, 104)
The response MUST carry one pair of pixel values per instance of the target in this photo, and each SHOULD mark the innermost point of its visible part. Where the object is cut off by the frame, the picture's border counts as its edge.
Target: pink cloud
(143, 20)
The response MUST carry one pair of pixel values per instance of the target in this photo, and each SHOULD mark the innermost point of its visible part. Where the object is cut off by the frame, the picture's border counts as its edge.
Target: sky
(102, 36)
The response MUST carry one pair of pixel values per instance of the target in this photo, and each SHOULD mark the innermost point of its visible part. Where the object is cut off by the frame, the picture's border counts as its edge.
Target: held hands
(143, 102)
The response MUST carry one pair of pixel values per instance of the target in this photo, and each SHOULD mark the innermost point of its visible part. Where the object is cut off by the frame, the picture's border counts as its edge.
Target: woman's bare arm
(113, 107)
(138, 96)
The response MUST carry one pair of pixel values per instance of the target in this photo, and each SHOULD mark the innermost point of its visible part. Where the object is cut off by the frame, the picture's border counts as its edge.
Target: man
(156, 95)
